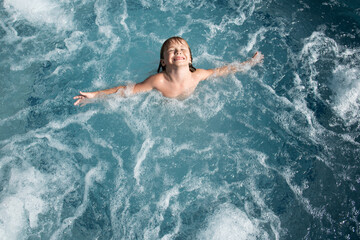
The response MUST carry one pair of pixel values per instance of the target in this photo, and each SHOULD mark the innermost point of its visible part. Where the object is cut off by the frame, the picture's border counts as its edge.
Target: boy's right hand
(83, 96)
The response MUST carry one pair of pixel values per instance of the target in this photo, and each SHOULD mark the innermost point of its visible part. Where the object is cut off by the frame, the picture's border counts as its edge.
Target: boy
(178, 78)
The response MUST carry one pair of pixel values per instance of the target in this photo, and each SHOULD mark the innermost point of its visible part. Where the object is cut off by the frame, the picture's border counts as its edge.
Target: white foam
(41, 12)
(54, 142)
(24, 203)
(317, 45)
(123, 17)
(346, 83)
(171, 5)
(253, 40)
(204, 55)
(86, 150)
(288, 175)
(170, 236)
(145, 4)
(141, 156)
(230, 223)
(106, 28)
(165, 199)
(267, 214)
(73, 44)
(169, 148)
(152, 232)
(211, 105)
(30, 185)
(12, 218)
(75, 41)
(60, 70)
(94, 174)
(79, 118)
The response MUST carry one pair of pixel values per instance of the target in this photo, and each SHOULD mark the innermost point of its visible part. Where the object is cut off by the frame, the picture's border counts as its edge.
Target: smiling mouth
(179, 58)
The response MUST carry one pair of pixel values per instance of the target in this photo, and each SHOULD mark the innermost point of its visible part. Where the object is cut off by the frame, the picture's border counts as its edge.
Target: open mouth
(179, 58)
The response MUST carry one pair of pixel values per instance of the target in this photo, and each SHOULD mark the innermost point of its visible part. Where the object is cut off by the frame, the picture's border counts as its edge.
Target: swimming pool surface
(272, 153)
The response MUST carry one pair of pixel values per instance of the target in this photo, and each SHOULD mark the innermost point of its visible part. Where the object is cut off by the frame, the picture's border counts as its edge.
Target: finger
(77, 102)
(79, 97)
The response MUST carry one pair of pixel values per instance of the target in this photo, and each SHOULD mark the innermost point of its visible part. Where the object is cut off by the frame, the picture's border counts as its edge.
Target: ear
(162, 62)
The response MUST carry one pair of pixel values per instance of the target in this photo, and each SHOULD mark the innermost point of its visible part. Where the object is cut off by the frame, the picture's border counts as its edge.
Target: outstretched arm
(83, 97)
(239, 67)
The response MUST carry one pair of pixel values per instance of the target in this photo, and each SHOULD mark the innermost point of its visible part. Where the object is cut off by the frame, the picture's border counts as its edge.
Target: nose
(177, 52)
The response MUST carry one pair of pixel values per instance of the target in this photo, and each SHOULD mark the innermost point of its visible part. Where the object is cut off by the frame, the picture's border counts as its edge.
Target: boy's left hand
(257, 58)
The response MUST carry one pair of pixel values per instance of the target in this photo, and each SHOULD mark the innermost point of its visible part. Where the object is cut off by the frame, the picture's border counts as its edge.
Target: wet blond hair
(166, 45)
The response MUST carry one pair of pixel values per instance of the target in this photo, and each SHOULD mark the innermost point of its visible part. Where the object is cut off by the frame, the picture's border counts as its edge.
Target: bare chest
(174, 90)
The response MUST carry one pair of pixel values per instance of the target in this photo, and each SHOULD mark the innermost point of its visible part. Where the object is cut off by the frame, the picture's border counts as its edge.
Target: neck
(178, 74)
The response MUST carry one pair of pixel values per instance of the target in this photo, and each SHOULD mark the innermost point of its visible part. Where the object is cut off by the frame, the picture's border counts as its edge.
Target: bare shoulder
(203, 74)
(154, 79)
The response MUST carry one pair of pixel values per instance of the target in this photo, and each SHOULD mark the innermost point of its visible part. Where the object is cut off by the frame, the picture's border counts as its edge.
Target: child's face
(177, 53)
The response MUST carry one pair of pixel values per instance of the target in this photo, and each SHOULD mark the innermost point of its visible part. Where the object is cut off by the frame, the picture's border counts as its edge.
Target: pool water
(272, 153)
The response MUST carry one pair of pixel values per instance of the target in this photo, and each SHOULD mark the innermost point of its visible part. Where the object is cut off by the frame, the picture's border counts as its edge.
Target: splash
(50, 13)
(229, 222)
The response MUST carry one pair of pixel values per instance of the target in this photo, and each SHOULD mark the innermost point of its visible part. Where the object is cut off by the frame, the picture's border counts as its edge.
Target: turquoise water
(272, 153)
